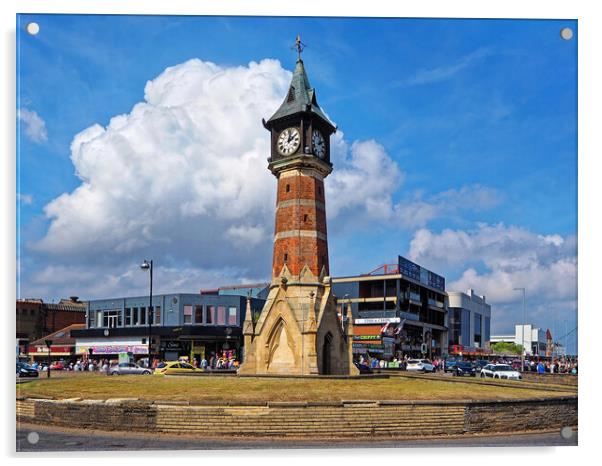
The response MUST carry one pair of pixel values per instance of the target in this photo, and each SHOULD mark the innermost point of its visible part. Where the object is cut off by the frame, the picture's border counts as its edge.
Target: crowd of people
(400, 362)
(78, 366)
(556, 366)
(216, 362)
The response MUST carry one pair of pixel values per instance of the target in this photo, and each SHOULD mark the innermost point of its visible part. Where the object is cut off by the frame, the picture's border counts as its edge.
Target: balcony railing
(435, 303)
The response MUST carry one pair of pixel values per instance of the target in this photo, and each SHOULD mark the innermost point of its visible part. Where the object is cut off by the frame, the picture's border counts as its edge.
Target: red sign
(53, 349)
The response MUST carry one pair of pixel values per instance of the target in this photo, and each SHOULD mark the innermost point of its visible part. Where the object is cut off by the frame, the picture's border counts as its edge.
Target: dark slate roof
(301, 97)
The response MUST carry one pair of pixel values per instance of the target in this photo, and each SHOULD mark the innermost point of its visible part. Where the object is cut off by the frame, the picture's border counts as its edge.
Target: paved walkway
(32, 438)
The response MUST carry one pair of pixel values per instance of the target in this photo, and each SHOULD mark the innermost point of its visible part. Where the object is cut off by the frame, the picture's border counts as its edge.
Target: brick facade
(35, 319)
(300, 225)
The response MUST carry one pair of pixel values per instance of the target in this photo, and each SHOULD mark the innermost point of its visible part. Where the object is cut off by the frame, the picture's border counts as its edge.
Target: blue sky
(477, 116)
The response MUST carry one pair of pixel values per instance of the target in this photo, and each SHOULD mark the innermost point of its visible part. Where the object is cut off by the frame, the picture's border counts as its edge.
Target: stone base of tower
(298, 331)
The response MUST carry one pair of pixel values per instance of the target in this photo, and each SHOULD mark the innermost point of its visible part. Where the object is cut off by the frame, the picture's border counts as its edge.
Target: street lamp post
(149, 266)
(522, 356)
(48, 344)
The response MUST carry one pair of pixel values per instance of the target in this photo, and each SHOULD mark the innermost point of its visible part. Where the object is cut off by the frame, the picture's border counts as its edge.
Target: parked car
(500, 371)
(449, 365)
(479, 364)
(128, 368)
(175, 367)
(363, 368)
(420, 365)
(25, 370)
(57, 366)
(464, 368)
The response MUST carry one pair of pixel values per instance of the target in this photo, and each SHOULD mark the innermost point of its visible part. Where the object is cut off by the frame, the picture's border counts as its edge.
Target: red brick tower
(298, 331)
(300, 159)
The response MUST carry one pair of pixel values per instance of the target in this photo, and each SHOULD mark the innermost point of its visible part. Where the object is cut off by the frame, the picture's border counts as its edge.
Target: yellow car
(174, 368)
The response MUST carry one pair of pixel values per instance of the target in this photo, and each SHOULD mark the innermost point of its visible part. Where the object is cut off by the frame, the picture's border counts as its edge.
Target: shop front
(191, 349)
(168, 343)
(40, 353)
(111, 348)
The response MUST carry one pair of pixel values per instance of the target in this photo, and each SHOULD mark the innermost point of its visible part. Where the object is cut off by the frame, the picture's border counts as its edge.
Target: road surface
(32, 438)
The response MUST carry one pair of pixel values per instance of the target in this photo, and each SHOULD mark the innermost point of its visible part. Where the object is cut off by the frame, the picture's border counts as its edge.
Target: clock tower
(299, 330)
(300, 160)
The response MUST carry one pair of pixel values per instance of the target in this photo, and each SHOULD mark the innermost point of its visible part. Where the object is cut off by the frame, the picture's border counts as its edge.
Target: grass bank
(233, 389)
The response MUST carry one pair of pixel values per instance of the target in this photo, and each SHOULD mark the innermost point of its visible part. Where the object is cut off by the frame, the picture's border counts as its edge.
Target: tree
(506, 347)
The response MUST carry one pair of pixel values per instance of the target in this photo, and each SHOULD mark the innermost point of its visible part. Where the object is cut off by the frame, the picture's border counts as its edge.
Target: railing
(435, 303)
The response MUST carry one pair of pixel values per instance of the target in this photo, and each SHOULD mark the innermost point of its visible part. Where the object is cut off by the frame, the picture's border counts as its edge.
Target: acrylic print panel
(357, 227)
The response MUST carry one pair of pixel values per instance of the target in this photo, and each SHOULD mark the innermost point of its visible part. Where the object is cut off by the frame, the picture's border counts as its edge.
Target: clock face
(288, 141)
(319, 144)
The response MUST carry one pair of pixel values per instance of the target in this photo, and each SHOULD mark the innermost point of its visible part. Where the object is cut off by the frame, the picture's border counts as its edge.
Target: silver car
(128, 368)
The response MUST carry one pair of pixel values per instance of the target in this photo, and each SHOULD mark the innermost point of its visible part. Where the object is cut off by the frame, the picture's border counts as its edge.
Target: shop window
(128, 317)
(221, 315)
(158, 315)
(198, 314)
(188, 314)
(143, 316)
(210, 315)
(232, 316)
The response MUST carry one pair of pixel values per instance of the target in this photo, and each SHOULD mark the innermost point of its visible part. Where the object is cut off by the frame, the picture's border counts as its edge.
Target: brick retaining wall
(315, 420)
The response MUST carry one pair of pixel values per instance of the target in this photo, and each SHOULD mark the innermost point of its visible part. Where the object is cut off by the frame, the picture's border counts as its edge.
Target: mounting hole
(566, 33)
(33, 438)
(566, 432)
(32, 28)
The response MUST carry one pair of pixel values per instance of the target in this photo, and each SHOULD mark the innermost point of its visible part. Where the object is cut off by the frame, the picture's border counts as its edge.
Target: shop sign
(115, 349)
(171, 346)
(378, 320)
(366, 337)
(367, 349)
(369, 342)
(53, 349)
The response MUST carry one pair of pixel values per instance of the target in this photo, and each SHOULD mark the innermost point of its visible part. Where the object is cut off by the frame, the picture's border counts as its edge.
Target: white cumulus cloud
(183, 178)
(508, 257)
(33, 125)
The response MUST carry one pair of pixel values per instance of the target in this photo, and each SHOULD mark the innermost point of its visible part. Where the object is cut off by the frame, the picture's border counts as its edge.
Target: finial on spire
(299, 46)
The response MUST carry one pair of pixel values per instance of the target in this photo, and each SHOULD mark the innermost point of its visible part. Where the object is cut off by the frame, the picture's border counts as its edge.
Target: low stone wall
(559, 379)
(315, 420)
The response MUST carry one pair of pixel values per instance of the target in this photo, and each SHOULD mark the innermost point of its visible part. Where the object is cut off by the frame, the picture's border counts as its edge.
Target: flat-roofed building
(397, 309)
(469, 323)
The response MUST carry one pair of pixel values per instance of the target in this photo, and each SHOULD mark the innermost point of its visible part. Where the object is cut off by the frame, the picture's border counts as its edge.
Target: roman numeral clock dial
(288, 141)
(319, 144)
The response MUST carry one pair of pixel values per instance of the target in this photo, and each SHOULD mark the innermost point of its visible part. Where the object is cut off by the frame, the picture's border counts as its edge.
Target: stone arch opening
(327, 354)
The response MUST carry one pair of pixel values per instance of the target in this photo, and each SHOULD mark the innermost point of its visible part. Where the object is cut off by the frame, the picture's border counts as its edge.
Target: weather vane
(299, 46)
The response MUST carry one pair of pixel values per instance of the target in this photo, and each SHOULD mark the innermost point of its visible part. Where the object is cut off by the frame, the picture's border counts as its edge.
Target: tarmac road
(53, 439)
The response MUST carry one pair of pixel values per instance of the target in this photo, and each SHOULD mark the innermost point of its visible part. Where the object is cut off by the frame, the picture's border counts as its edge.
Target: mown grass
(233, 389)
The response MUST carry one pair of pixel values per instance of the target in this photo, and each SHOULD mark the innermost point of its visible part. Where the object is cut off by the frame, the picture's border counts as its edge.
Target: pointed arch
(280, 348)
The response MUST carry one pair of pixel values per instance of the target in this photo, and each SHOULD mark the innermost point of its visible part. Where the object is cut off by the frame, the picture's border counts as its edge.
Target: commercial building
(533, 339)
(191, 325)
(397, 308)
(62, 345)
(469, 323)
(35, 319)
